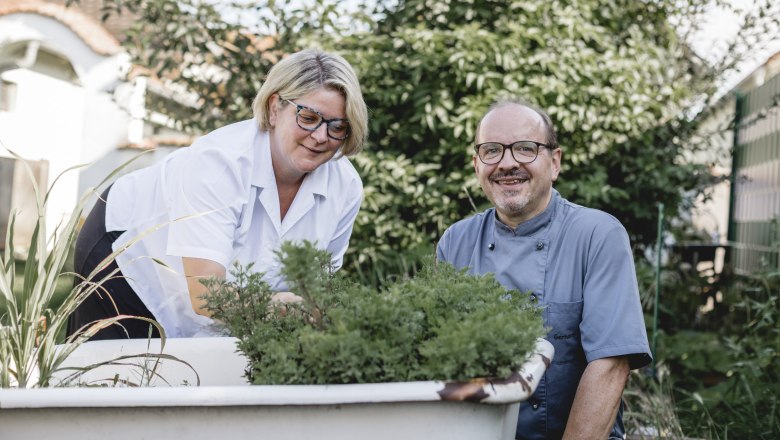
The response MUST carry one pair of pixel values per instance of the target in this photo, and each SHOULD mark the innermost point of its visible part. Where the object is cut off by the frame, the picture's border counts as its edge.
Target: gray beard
(514, 205)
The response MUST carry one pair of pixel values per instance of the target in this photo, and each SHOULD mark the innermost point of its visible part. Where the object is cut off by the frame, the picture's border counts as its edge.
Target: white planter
(222, 408)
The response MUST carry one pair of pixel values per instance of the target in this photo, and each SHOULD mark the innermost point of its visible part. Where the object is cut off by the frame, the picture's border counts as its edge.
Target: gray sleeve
(441, 255)
(456, 245)
(612, 319)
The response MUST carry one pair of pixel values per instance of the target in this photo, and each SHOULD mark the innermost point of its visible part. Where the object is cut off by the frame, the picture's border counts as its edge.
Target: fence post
(731, 231)
(659, 245)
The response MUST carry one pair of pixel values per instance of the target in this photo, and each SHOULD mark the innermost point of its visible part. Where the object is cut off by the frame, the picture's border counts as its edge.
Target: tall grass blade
(29, 327)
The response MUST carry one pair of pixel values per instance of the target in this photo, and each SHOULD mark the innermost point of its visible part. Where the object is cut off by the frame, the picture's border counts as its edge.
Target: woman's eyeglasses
(310, 120)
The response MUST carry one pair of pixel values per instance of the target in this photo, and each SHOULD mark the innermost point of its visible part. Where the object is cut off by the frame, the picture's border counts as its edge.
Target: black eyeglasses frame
(537, 145)
(299, 107)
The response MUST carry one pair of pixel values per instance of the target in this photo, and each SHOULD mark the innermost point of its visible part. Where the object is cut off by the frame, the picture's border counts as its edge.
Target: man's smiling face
(518, 191)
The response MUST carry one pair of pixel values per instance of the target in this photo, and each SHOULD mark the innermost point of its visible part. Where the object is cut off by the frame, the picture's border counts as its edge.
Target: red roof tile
(88, 29)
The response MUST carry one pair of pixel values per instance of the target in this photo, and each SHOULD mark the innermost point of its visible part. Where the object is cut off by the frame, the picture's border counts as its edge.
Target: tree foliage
(433, 68)
(617, 77)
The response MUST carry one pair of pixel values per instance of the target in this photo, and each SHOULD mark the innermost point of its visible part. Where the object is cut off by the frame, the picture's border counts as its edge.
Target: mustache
(517, 174)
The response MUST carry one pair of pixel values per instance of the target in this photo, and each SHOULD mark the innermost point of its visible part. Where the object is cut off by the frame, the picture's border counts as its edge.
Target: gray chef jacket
(577, 263)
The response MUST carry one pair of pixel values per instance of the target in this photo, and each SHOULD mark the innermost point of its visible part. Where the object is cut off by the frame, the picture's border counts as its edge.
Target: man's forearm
(597, 400)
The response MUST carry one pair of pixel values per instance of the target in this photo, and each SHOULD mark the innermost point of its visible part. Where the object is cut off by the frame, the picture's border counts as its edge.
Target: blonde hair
(307, 71)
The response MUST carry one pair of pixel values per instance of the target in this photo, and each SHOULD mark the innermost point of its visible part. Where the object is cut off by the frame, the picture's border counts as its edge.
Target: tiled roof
(88, 29)
(157, 141)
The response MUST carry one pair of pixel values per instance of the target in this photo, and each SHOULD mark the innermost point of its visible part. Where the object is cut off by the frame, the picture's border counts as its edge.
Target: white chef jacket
(218, 200)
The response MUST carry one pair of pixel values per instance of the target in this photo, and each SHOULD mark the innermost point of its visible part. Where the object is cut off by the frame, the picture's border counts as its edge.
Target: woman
(234, 195)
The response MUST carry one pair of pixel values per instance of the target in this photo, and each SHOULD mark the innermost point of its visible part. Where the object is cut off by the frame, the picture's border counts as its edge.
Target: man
(575, 261)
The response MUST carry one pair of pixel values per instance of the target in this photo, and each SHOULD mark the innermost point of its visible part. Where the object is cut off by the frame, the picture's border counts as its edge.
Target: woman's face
(295, 151)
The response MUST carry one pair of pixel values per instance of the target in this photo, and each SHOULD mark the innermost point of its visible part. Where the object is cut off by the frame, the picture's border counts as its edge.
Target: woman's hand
(280, 300)
(285, 298)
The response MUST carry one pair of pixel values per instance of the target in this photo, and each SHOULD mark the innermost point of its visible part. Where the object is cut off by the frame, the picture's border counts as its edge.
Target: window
(7, 96)
(6, 184)
(18, 195)
(47, 63)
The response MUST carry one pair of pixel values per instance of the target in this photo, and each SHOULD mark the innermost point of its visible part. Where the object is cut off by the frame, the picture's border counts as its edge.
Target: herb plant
(442, 324)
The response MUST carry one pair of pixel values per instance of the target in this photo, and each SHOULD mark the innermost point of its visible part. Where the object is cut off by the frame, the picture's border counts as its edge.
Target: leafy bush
(442, 324)
(723, 359)
(617, 76)
(746, 404)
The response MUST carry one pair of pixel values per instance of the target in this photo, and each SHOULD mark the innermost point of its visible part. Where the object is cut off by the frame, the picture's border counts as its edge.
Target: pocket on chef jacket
(564, 320)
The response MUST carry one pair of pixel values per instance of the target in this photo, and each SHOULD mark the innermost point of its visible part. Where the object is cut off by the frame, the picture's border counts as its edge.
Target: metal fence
(754, 230)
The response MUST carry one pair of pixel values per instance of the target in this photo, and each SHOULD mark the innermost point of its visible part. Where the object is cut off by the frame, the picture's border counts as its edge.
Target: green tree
(617, 78)
(614, 75)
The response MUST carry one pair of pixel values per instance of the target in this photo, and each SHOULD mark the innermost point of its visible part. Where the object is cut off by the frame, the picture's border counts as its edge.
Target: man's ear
(474, 158)
(555, 163)
(273, 109)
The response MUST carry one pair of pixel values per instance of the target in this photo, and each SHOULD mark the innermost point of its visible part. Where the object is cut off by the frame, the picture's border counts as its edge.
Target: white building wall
(717, 136)
(105, 128)
(47, 124)
(64, 123)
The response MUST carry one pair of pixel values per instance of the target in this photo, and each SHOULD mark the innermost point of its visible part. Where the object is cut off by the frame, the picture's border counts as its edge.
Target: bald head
(516, 112)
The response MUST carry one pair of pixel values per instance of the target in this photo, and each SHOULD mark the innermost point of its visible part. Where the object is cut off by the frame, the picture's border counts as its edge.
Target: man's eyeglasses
(491, 153)
(310, 120)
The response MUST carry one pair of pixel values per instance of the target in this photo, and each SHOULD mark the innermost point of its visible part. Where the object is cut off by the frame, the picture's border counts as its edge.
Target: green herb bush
(442, 324)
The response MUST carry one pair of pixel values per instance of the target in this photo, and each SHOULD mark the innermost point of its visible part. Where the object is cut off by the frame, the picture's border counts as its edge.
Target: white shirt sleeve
(340, 241)
(206, 194)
